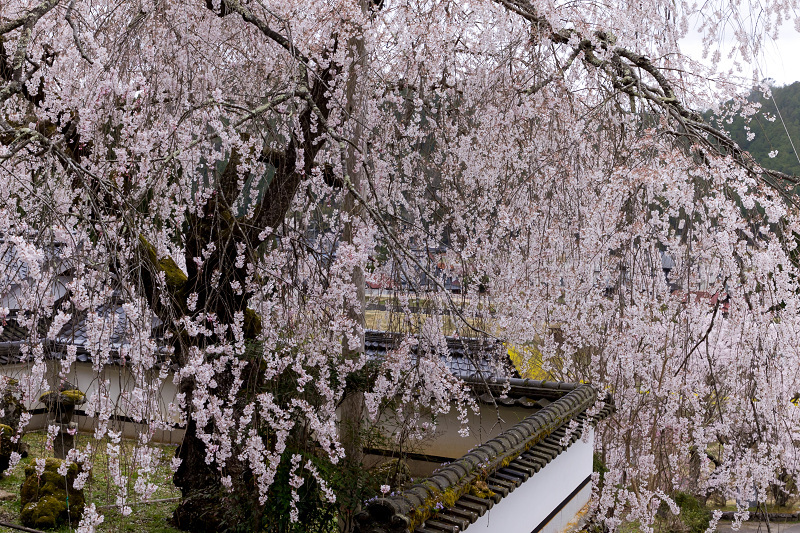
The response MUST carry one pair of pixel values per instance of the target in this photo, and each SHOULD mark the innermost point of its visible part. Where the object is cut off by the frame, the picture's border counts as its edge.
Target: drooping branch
(622, 67)
(235, 6)
(30, 18)
(13, 73)
(75, 33)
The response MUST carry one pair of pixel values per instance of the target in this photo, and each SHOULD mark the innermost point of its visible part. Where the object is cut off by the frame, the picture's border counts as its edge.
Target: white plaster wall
(526, 507)
(446, 442)
(120, 384)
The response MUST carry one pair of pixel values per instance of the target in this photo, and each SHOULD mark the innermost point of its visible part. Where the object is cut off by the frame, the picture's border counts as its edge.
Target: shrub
(694, 517)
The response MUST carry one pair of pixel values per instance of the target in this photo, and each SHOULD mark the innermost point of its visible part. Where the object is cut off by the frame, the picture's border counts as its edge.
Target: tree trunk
(207, 505)
(351, 411)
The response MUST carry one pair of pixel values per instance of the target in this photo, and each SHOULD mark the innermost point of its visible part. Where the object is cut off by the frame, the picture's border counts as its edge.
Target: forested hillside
(767, 132)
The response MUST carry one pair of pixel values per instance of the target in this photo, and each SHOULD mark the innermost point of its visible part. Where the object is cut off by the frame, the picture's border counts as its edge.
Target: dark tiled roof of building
(466, 357)
(12, 267)
(74, 333)
(459, 493)
(12, 332)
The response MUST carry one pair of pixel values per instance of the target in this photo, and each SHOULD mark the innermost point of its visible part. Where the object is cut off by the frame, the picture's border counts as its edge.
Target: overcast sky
(780, 60)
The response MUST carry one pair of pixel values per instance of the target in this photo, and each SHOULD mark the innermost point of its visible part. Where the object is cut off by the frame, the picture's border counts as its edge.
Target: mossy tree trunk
(207, 505)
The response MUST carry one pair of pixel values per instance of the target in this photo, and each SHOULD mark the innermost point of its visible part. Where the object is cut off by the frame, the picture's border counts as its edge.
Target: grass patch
(731, 506)
(100, 490)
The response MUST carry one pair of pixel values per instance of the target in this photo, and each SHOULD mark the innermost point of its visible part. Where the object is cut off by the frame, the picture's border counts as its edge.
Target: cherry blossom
(232, 174)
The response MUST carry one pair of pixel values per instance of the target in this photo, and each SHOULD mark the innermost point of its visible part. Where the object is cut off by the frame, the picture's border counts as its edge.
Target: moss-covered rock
(61, 406)
(74, 397)
(49, 500)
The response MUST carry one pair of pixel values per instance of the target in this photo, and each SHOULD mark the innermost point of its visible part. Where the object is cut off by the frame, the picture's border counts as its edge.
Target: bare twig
(702, 339)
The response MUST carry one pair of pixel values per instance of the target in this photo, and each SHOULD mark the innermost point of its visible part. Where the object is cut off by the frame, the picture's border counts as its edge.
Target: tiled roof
(12, 332)
(466, 357)
(15, 271)
(459, 493)
(12, 267)
(74, 333)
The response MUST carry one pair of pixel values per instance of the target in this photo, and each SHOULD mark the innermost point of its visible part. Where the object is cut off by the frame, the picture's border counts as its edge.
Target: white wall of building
(121, 385)
(533, 501)
(446, 441)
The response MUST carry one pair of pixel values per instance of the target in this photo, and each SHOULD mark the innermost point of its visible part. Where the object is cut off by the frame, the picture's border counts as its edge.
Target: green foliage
(770, 135)
(314, 513)
(350, 483)
(599, 466)
(693, 513)
(694, 517)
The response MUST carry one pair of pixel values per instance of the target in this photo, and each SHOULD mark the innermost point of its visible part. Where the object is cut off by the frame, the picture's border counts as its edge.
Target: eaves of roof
(462, 491)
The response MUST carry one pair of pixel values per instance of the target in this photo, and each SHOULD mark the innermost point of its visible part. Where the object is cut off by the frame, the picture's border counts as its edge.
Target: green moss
(449, 497)
(480, 489)
(51, 464)
(477, 486)
(252, 324)
(173, 274)
(442, 499)
(67, 398)
(99, 488)
(175, 277)
(49, 500)
(43, 514)
(46, 397)
(74, 397)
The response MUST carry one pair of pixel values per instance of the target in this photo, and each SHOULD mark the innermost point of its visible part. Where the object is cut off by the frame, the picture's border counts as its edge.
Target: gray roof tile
(503, 463)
